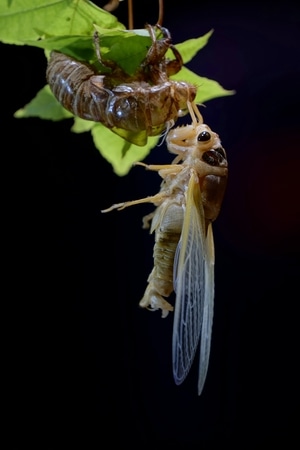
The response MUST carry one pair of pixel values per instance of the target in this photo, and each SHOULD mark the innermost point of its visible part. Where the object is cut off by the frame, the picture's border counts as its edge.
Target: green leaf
(140, 138)
(120, 153)
(78, 47)
(81, 125)
(22, 20)
(207, 89)
(210, 89)
(126, 48)
(189, 48)
(45, 106)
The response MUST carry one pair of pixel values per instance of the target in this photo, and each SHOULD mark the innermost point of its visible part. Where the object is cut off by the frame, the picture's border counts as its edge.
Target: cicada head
(201, 148)
(192, 140)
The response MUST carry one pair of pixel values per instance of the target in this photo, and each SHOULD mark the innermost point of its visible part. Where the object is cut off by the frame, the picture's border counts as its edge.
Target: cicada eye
(204, 136)
(221, 151)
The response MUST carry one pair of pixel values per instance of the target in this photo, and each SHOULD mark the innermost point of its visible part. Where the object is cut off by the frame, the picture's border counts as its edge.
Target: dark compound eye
(213, 158)
(204, 136)
(210, 158)
(221, 151)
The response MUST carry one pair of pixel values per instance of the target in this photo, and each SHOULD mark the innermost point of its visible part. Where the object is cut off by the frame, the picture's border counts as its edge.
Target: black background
(87, 367)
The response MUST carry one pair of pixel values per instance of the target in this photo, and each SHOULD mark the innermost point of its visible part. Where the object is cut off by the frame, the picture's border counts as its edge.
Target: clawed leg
(156, 199)
(173, 66)
(163, 169)
(97, 46)
(159, 47)
(147, 219)
(107, 63)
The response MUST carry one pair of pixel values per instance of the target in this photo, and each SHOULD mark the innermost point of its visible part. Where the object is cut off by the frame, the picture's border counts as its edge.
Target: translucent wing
(208, 309)
(193, 277)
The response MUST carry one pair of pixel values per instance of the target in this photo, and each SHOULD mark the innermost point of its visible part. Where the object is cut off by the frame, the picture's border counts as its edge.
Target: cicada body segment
(77, 87)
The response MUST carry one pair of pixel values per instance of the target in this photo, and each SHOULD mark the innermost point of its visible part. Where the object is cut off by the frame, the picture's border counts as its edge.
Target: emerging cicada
(188, 202)
(135, 107)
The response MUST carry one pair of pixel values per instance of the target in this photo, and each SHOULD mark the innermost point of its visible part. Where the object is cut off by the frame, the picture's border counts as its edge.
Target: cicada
(136, 106)
(188, 202)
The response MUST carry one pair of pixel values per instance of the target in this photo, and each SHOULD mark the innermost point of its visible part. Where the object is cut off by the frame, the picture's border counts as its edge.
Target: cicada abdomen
(144, 104)
(167, 224)
(188, 202)
(72, 82)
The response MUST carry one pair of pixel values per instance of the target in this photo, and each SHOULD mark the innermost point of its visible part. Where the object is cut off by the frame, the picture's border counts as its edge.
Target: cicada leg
(147, 219)
(97, 46)
(156, 199)
(107, 63)
(159, 47)
(157, 51)
(174, 65)
(164, 170)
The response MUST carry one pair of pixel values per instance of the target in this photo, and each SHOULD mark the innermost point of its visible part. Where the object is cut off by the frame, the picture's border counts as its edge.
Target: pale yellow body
(186, 205)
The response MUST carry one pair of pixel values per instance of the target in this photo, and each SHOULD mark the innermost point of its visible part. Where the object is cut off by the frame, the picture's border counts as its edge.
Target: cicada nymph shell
(188, 202)
(135, 107)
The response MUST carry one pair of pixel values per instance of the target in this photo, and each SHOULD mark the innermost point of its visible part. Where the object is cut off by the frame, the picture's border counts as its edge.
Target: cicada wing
(208, 309)
(189, 280)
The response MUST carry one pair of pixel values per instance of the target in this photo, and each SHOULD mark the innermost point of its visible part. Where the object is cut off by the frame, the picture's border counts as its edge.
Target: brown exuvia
(135, 107)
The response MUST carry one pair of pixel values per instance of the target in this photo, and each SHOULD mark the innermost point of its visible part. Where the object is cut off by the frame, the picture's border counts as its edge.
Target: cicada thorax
(145, 101)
